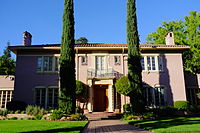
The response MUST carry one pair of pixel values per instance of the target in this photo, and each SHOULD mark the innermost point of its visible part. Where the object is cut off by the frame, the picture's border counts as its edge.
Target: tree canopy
(186, 32)
(134, 65)
(7, 64)
(121, 85)
(67, 100)
(81, 40)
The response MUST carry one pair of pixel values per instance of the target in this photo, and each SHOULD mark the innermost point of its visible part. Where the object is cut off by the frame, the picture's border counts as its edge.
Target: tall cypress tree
(67, 61)
(134, 65)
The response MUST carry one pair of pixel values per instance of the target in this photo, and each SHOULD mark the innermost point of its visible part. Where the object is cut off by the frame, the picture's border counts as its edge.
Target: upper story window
(151, 63)
(47, 64)
(100, 62)
(142, 63)
(117, 60)
(84, 60)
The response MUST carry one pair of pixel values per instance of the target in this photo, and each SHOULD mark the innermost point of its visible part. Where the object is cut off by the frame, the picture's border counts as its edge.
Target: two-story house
(99, 65)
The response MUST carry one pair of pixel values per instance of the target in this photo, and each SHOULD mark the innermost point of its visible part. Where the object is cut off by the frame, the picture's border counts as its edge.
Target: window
(117, 60)
(5, 96)
(47, 98)
(151, 63)
(142, 63)
(56, 63)
(192, 96)
(47, 64)
(154, 96)
(100, 62)
(83, 60)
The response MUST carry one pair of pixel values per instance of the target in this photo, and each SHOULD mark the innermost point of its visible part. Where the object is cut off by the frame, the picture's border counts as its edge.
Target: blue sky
(101, 21)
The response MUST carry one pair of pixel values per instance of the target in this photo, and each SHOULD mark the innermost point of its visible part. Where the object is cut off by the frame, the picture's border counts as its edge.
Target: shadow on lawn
(164, 123)
(57, 130)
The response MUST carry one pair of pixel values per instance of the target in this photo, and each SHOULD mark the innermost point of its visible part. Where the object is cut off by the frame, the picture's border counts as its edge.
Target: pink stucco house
(99, 65)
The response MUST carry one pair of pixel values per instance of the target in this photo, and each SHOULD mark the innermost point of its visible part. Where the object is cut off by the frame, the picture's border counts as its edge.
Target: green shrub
(198, 95)
(77, 117)
(127, 108)
(38, 117)
(57, 114)
(148, 115)
(13, 118)
(17, 112)
(3, 112)
(129, 116)
(181, 105)
(35, 110)
(121, 85)
(16, 105)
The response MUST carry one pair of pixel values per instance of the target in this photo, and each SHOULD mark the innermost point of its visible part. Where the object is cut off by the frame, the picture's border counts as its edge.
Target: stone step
(103, 116)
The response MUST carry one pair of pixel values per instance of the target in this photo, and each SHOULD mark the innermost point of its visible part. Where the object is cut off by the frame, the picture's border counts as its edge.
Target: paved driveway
(112, 126)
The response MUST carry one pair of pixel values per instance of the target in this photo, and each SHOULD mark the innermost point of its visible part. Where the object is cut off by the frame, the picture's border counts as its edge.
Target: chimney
(169, 38)
(27, 38)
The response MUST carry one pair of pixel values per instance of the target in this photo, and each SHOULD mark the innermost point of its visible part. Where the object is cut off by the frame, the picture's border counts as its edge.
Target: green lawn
(170, 125)
(41, 126)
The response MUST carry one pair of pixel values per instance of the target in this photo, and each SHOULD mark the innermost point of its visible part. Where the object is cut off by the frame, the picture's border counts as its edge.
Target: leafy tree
(121, 85)
(187, 32)
(67, 100)
(7, 64)
(82, 40)
(134, 65)
(81, 92)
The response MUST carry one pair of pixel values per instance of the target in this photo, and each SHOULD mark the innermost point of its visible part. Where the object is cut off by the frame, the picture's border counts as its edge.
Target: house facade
(99, 66)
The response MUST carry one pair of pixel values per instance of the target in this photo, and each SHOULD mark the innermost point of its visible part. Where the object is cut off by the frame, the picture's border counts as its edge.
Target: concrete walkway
(111, 126)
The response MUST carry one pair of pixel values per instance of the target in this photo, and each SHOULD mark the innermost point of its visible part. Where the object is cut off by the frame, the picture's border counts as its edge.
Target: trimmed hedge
(181, 105)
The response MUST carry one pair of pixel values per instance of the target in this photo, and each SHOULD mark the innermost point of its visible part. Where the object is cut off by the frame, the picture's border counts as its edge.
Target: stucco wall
(27, 79)
(6, 82)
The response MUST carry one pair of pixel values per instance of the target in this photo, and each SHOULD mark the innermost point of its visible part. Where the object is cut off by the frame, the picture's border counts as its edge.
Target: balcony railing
(106, 73)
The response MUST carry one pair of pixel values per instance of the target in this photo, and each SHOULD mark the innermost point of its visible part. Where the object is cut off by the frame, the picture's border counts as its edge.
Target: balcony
(106, 73)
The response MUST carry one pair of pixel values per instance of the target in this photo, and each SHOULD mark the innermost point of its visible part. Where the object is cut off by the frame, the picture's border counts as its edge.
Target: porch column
(90, 102)
(110, 98)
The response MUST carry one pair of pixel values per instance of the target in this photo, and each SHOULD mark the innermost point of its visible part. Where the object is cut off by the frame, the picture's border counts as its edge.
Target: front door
(100, 98)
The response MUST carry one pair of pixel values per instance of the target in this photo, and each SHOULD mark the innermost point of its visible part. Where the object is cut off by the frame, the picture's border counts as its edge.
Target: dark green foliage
(181, 105)
(186, 32)
(198, 95)
(67, 101)
(7, 64)
(121, 85)
(81, 91)
(82, 40)
(3, 112)
(127, 108)
(163, 111)
(57, 114)
(16, 105)
(35, 110)
(134, 65)
(77, 117)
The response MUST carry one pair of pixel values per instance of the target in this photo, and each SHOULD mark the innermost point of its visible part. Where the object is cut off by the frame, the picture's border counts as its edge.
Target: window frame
(50, 67)
(155, 61)
(45, 102)
(117, 60)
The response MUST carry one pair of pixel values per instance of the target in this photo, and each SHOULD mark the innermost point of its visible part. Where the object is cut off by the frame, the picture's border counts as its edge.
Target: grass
(41, 126)
(170, 125)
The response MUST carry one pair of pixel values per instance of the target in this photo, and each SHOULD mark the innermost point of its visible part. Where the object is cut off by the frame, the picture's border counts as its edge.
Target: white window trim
(156, 63)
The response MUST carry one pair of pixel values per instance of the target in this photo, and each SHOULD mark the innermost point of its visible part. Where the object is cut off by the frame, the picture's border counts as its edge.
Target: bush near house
(181, 105)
